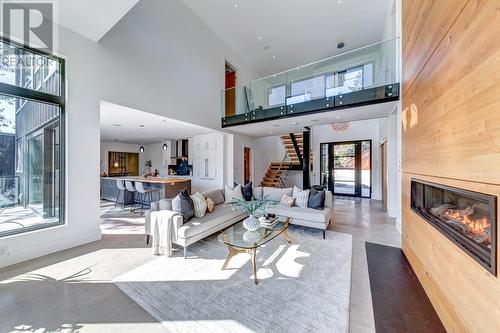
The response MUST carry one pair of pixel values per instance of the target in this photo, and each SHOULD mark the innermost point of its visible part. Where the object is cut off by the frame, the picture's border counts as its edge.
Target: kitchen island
(168, 187)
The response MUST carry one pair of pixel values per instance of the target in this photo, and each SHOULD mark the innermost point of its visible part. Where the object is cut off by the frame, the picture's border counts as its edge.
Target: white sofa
(197, 228)
(223, 216)
(307, 217)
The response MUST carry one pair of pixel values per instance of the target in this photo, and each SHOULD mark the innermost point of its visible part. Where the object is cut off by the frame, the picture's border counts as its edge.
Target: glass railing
(359, 70)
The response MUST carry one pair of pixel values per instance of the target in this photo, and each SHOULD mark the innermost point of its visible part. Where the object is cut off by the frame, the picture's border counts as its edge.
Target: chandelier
(341, 127)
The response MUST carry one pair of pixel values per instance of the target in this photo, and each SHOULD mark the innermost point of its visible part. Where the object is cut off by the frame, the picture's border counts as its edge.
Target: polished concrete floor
(71, 291)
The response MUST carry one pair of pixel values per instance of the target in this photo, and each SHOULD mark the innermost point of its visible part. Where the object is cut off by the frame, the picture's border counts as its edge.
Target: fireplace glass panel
(467, 218)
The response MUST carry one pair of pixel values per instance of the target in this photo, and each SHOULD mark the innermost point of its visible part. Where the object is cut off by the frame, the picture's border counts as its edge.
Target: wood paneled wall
(451, 135)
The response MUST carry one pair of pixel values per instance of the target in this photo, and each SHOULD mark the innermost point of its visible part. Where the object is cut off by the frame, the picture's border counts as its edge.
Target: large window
(31, 139)
(319, 86)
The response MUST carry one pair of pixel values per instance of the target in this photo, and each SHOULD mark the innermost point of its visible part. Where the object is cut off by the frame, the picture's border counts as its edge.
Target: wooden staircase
(276, 171)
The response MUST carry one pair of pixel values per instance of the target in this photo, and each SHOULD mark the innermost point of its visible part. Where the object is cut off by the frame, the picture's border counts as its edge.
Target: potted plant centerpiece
(252, 208)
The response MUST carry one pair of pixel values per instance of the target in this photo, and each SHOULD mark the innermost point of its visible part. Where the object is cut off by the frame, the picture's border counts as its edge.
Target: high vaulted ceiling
(296, 32)
(92, 18)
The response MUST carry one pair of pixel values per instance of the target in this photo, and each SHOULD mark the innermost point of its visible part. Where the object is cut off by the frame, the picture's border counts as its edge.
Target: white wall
(160, 158)
(389, 134)
(160, 58)
(359, 130)
(267, 149)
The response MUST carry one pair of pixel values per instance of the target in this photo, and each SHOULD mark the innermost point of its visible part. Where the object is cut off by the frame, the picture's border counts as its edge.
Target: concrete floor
(71, 291)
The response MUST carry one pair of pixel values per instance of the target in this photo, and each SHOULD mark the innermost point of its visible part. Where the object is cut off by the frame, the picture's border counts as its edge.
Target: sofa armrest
(329, 200)
(178, 222)
(165, 204)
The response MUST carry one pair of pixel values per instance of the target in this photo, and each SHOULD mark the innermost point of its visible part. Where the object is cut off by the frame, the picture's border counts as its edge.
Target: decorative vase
(251, 236)
(251, 223)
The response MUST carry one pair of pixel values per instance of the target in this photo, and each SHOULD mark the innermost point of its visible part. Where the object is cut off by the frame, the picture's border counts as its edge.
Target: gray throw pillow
(184, 205)
(316, 199)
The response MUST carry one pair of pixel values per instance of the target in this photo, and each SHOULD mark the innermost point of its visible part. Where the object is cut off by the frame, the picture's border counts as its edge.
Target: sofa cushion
(287, 200)
(316, 199)
(275, 194)
(183, 204)
(301, 198)
(217, 196)
(221, 214)
(308, 214)
(232, 193)
(200, 204)
(247, 192)
(257, 192)
(210, 205)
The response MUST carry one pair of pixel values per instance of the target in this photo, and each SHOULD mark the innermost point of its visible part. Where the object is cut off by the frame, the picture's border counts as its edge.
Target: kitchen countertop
(153, 180)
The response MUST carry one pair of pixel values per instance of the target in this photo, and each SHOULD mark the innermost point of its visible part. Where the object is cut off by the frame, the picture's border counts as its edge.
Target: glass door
(347, 167)
(35, 173)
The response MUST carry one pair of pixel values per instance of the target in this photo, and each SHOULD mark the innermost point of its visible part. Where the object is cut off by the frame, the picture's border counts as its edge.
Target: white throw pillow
(301, 198)
(296, 190)
(287, 200)
(200, 204)
(232, 194)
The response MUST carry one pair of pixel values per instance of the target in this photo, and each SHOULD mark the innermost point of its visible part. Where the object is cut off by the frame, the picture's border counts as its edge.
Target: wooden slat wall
(451, 135)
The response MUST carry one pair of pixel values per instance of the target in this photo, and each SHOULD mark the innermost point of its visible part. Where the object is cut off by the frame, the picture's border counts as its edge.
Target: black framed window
(32, 141)
(346, 167)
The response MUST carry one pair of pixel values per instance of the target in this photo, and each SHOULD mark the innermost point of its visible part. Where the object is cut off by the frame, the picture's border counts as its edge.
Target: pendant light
(141, 149)
(164, 147)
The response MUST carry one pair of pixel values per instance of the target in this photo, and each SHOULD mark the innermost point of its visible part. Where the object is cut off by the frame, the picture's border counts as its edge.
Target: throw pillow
(296, 190)
(257, 192)
(316, 200)
(247, 192)
(287, 200)
(232, 194)
(210, 205)
(200, 204)
(301, 198)
(183, 204)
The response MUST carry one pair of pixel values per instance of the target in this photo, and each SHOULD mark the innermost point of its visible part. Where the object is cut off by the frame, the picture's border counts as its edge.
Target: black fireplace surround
(465, 217)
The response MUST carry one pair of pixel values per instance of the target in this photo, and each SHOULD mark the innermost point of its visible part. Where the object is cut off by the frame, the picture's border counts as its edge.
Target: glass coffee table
(240, 240)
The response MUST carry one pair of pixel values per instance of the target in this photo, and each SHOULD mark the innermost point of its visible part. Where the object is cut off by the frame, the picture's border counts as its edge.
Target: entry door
(350, 168)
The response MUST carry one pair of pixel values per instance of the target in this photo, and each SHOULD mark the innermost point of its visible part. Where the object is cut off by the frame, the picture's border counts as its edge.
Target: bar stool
(131, 188)
(145, 193)
(121, 190)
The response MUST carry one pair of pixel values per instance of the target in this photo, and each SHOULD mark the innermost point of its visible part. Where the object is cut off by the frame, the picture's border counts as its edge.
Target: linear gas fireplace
(467, 218)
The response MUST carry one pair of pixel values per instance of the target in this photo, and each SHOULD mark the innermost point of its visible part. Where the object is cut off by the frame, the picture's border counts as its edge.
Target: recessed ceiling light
(314, 120)
(258, 128)
(295, 123)
(276, 125)
(274, 57)
(235, 5)
(338, 117)
(340, 1)
(116, 125)
(259, 38)
(266, 47)
(141, 125)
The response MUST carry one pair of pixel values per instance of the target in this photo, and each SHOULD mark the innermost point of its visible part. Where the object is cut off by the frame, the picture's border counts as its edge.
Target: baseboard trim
(46, 248)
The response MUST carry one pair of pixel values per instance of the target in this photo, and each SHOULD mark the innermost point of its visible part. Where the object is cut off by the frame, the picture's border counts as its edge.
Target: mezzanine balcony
(367, 75)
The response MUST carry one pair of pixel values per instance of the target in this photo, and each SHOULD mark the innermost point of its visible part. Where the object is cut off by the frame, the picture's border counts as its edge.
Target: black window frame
(23, 93)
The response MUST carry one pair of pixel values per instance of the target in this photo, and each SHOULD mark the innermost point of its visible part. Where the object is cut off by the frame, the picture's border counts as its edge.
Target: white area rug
(303, 286)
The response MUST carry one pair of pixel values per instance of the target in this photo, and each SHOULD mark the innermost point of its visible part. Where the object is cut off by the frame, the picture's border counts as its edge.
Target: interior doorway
(247, 165)
(230, 93)
(383, 150)
(346, 168)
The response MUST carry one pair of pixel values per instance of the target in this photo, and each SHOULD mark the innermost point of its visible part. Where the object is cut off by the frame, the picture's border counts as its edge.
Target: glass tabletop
(239, 237)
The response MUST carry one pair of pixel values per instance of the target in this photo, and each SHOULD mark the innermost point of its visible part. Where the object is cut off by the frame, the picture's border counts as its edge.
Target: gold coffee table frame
(252, 249)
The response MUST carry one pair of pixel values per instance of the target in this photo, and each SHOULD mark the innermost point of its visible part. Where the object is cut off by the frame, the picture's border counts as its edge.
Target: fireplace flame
(478, 226)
